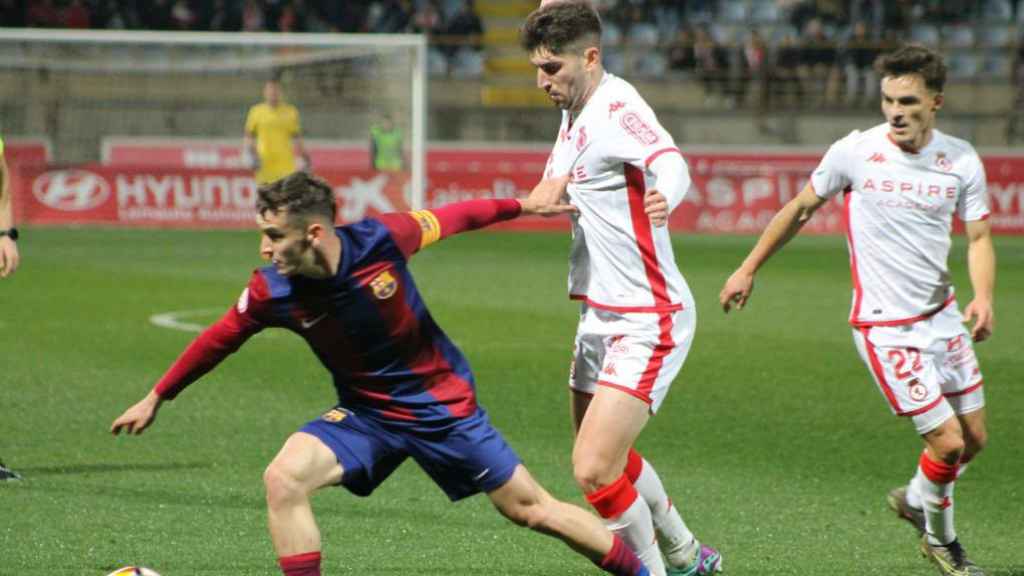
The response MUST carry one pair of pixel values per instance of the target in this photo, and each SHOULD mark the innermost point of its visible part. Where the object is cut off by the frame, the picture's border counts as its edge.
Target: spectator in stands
(869, 12)
(42, 14)
(681, 53)
(76, 15)
(711, 65)
(464, 34)
(392, 17)
(818, 65)
(182, 16)
(753, 70)
(858, 58)
(427, 19)
(293, 17)
(222, 17)
(253, 19)
(1015, 123)
(784, 81)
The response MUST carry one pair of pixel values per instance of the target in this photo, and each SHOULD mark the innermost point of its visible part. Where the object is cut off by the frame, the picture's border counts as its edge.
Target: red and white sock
(621, 561)
(306, 564)
(627, 516)
(914, 488)
(935, 481)
(675, 539)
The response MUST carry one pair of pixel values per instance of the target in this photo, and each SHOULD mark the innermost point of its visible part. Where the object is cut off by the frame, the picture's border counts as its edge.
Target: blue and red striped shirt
(367, 324)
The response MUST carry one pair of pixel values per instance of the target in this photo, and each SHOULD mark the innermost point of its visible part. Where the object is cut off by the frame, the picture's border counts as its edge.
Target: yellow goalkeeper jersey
(274, 127)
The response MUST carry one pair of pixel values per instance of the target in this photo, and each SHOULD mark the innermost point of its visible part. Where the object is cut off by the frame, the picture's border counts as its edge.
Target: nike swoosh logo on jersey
(307, 324)
(482, 474)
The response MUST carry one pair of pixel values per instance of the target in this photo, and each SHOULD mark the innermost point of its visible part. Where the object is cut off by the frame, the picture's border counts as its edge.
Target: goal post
(77, 88)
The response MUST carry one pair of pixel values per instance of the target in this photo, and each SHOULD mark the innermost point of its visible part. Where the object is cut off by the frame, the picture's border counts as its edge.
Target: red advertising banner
(176, 198)
(733, 192)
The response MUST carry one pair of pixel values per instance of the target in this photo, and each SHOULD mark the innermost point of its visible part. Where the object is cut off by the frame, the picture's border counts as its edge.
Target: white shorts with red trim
(926, 370)
(639, 353)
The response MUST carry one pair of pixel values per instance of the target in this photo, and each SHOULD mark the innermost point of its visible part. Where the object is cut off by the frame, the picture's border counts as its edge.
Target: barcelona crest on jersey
(384, 285)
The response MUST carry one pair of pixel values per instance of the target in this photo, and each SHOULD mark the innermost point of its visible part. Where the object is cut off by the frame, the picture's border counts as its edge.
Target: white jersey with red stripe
(618, 260)
(899, 208)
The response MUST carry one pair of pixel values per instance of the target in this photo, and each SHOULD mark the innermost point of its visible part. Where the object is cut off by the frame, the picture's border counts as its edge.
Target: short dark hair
(914, 59)
(301, 195)
(561, 26)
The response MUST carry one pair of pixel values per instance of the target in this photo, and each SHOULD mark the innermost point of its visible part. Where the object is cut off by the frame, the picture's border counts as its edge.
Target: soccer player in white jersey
(638, 316)
(902, 181)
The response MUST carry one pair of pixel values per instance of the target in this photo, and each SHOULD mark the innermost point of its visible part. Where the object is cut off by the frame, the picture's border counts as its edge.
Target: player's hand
(8, 256)
(736, 291)
(656, 208)
(980, 312)
(138, 417)
(548, 198)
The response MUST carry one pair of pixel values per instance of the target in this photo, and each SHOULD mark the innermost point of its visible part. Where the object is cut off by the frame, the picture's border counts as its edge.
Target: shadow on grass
(109, 468)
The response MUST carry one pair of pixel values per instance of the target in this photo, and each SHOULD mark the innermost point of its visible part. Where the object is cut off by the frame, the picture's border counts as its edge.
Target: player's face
(564, 77)
(909, 108)
(272, 93)
(287, 246)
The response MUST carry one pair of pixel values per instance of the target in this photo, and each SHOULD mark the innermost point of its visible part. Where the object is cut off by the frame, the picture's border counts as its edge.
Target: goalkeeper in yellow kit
(273, 136)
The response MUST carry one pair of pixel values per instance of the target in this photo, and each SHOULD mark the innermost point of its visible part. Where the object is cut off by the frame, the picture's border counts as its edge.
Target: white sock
(635, 528)
(935, 481)
(914, 491)
(627, 516)
(675, 539)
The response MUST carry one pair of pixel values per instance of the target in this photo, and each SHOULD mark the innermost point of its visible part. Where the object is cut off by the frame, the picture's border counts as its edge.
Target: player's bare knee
(282, 486)
(946, 445)
(591, 475)
(974, 442)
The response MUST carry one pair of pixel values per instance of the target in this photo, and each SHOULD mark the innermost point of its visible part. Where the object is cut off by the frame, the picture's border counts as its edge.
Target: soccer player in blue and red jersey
(404, 389)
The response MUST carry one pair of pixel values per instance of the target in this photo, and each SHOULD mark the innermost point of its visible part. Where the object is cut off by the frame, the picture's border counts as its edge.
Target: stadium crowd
(759, 53)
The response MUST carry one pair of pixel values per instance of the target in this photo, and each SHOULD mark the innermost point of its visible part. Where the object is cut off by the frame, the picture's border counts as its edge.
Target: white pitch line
(174, 320)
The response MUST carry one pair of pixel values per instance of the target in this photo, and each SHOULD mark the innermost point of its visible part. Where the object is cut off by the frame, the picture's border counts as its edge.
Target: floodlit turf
(773, 441)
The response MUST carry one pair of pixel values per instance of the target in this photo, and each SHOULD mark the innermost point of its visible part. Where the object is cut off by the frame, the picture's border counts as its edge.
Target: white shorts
(639, 353)
(926, 370)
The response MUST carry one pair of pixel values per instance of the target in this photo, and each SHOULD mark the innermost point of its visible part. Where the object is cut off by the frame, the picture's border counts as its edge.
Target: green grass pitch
(773, 441)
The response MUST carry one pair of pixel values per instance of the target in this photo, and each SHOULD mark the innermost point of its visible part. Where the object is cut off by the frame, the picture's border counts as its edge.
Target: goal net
(95, 96)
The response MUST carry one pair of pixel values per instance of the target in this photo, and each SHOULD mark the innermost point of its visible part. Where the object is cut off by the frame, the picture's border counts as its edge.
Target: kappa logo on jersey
(71, 190)
(615, 107)
(877, 157)
(334, 416)
(384, 285)
(942, 162)
(243, 302)
(581, 138)
(637, 128)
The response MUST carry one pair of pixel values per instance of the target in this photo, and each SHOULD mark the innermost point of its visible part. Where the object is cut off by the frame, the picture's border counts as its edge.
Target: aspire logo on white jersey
(899, 208)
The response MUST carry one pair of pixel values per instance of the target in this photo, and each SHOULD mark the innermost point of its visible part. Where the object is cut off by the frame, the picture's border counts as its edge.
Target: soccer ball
(133, 571)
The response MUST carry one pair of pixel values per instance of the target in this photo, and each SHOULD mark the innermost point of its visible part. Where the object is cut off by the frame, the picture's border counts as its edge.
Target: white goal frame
(415, 42)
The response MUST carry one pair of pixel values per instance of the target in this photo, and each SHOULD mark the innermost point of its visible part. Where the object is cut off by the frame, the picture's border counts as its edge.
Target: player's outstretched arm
(981, 264)
(548, 198)
(137, 418)
(784, 225)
